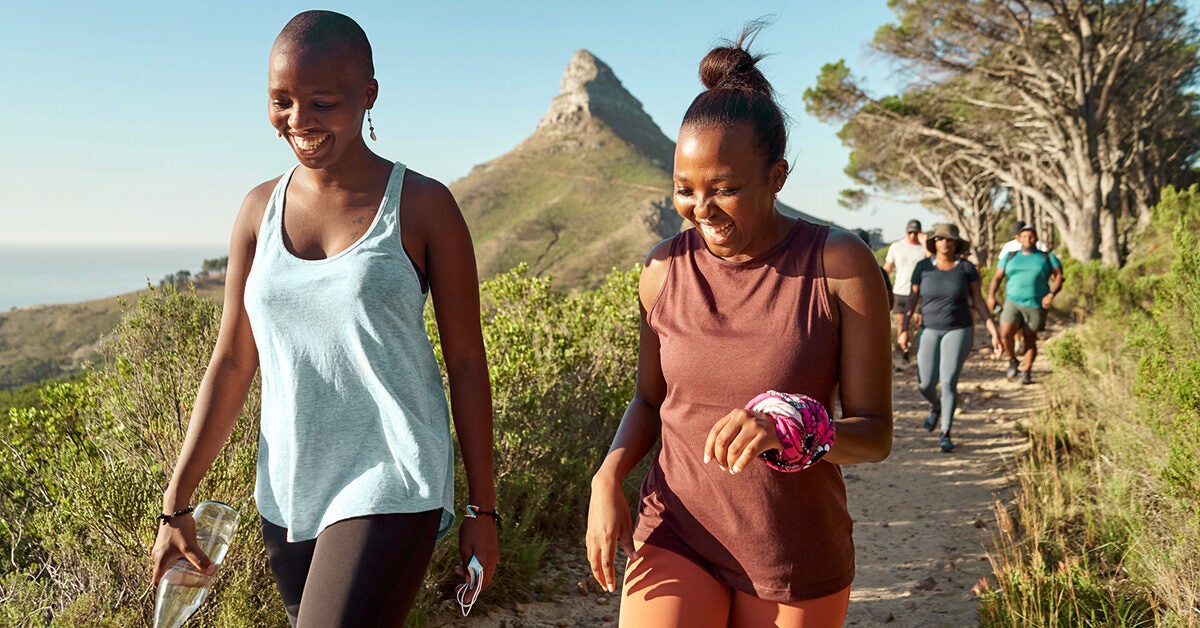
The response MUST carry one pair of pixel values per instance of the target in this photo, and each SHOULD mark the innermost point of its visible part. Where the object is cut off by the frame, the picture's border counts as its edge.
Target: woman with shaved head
(329, 268)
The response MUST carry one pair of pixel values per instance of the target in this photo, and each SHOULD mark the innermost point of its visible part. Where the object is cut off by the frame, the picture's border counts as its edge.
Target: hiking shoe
(1026, 377)
(945, 443)
(931, 420)
(1012, 369)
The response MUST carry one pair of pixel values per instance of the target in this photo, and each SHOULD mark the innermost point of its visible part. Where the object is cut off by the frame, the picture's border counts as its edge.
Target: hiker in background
(355, 462)
(742, 520)
(1014, 245)
(887, 281)
(949, 288)
(902, 258)
(1033, 279)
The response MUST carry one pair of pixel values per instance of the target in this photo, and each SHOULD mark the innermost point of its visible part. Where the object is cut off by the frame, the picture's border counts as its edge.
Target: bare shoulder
(427, 193)
(254, 205)
(846, 256)
(654, 272)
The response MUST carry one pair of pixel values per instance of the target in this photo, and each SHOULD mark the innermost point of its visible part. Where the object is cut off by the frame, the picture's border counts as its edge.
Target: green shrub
(562, 368)
(1106, 529)
(1066, 351)
(97, 456)
(83, 469)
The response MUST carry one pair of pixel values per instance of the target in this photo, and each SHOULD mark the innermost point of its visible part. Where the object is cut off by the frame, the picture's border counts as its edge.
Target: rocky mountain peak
(589, 88)
(590, 95)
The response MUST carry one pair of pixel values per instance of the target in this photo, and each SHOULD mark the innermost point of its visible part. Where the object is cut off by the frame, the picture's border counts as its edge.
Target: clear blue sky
(133, 123)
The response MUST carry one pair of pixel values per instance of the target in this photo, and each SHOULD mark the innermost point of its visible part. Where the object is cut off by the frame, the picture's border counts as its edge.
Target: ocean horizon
(51, 274)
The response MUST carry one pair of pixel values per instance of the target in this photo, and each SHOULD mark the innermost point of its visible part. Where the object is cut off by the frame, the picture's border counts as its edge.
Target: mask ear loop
(462, 591)
(472, 588)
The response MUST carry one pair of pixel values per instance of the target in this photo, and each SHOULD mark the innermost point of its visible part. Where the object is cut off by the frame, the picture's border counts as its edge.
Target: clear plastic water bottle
(182, 589)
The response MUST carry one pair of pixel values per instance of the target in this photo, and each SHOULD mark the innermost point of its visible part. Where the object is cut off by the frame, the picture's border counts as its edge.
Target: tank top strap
(269, 228)
(387, 225)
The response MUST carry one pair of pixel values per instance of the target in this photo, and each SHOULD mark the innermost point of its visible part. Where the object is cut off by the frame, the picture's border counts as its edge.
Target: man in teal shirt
(1034, 277)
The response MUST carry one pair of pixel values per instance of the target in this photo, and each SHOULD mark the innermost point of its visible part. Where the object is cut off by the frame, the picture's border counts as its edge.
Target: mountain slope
(589, 190)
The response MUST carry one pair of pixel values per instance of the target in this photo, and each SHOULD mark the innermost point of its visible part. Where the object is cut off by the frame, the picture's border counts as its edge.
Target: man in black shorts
(902, 257)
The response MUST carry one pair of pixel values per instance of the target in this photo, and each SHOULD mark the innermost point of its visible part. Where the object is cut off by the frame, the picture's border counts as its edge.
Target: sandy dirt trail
(922, 519)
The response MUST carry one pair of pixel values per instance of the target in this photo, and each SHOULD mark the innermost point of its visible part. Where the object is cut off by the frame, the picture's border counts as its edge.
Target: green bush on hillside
(1106, 529)
(97, 455)
(562, 368)
(84, 471)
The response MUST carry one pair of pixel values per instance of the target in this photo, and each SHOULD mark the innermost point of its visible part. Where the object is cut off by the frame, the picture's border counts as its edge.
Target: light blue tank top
(354, 416)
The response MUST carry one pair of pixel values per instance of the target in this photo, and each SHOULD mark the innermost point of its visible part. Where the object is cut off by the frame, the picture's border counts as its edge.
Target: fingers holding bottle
(177, 539)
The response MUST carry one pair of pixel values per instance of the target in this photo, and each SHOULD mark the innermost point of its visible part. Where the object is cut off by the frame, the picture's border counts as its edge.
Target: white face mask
(466, 594)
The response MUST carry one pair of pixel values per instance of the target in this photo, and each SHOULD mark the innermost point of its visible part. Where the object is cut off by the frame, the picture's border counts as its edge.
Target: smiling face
(316, 104)
(945, 247)
(1028, 239)
(725, 188)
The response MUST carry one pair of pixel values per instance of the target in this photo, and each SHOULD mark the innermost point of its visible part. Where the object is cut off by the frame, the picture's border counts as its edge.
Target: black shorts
(901, 303)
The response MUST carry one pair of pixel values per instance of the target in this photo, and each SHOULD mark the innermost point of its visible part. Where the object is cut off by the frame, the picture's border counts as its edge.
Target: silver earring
(371, 124)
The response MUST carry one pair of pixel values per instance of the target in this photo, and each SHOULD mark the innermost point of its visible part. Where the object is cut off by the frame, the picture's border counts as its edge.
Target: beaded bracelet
(164, 519)
(473, 511)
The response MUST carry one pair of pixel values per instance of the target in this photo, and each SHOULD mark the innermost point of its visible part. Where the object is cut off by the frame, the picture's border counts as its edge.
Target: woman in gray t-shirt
(948, 287)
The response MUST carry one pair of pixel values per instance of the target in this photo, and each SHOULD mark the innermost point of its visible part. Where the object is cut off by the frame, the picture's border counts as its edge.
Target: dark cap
(913, 226)
(1017, 227)
(1027, 228)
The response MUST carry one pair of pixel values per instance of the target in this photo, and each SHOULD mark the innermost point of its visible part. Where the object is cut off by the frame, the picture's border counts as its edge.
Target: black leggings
(364, 571)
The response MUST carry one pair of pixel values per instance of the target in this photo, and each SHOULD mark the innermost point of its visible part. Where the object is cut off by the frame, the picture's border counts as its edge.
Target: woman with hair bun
(751, 322)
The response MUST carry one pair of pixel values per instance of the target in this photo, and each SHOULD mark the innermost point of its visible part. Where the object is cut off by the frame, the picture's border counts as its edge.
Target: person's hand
(609, 523)
(739, 437)
(177, 539)
(991, 303)
(902, 340)
(1047, 300)
(997, 346)
(479, 537)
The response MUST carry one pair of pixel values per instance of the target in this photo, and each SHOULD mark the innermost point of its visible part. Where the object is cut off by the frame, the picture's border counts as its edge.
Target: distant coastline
(32, 275)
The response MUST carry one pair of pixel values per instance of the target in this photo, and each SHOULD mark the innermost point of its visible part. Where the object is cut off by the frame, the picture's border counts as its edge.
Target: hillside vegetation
(573, 213)
(1105, 529)
(83, 472)
(47, 342)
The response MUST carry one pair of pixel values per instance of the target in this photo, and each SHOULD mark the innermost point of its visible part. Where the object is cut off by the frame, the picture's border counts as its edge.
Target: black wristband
(164, 518)
(473, 511)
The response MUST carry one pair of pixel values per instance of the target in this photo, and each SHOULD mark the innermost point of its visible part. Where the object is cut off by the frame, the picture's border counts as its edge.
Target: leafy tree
(1080, 107)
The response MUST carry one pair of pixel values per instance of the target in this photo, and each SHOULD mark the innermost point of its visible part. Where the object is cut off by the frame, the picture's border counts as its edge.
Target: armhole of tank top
(422, 280)
(274, 203)
(676, 242)
(823, 291)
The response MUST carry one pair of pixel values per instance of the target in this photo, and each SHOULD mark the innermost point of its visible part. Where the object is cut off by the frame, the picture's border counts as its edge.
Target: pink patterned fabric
(803, 426)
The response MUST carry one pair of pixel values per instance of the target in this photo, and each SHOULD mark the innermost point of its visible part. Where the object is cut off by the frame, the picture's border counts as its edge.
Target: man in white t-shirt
(902, 257)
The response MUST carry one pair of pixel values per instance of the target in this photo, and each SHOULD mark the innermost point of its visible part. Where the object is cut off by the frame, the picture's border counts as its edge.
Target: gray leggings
(364, 571)
(941, 354)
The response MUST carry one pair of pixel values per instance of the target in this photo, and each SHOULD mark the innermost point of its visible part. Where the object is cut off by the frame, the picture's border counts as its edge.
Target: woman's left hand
(739, 437)
(479, 537)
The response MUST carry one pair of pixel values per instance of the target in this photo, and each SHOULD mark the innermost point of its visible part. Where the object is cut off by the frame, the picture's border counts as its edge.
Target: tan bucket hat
(947, 231)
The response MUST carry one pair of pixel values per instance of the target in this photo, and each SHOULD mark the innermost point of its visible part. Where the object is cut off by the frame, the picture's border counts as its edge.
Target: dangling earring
(278, 133)
(371, 124)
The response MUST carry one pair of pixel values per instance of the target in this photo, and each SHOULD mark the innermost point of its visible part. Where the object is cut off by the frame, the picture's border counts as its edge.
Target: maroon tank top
(729, 331)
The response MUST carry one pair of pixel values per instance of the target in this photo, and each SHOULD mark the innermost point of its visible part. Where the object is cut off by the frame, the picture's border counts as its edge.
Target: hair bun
(732, 67)
(736, 92)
